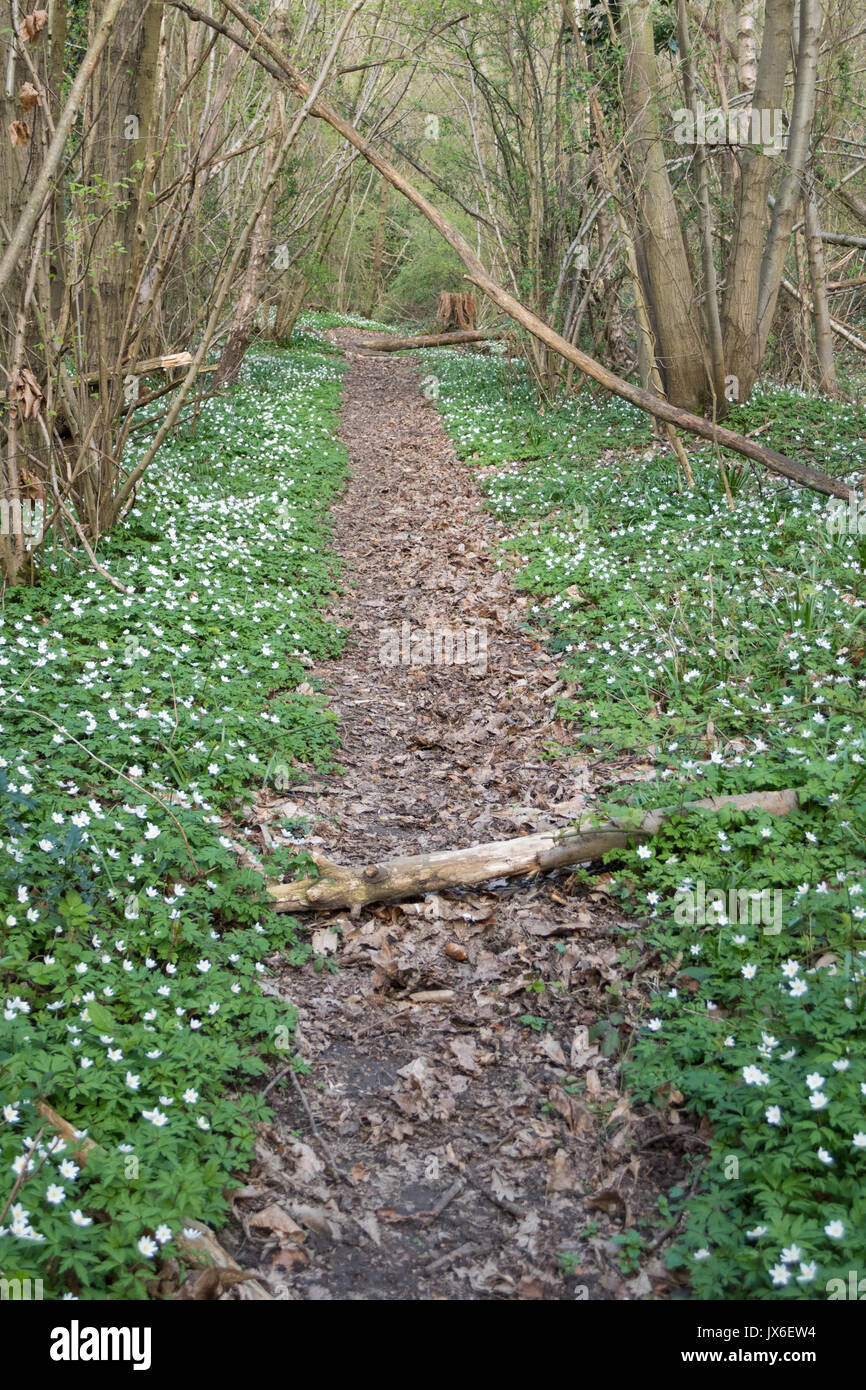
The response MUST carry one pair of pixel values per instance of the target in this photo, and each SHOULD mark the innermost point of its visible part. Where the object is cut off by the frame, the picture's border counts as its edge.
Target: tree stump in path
(456, 312)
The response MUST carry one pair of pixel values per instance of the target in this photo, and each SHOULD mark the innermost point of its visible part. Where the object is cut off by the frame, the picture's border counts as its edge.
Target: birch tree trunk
(747, 51)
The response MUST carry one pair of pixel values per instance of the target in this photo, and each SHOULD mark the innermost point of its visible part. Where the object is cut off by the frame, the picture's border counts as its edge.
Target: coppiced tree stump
(456, 312)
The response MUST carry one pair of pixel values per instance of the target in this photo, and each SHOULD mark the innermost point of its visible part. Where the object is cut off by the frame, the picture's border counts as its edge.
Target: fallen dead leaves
(32, 25)
(325, 941)
(25, 393)
(29, 96)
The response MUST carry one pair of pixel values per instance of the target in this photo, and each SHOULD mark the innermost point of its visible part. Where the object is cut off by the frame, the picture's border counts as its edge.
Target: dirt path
(468, 1148)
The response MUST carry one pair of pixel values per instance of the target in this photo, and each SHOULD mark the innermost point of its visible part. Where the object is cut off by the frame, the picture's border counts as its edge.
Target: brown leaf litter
(440, 1147)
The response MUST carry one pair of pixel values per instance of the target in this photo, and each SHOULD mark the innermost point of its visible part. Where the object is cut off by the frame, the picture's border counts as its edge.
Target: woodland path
(472, 1148)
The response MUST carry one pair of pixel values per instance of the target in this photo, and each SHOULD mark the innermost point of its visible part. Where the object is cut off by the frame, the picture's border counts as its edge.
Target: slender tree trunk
(791, 191)
(42, 184)
(679, 351)
(643, 322)
(123, 101)
(57, 27)
(378, 250)
(15, 160)
(803, 330)
(743, 268)
(123, 96)
(29, 110)
(710, 299)
(821, 311)
(238, 340)
(747, 52)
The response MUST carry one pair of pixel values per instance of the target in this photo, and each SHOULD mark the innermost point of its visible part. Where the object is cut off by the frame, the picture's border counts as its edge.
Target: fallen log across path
(425, 340)
(415, 874)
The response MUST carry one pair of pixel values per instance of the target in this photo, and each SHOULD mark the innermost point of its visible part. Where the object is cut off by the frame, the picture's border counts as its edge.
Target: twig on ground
(448, 1196)
(334, 1166)
(442, 1260)
(275, 1080)
(323, 1143)
(503, 1203)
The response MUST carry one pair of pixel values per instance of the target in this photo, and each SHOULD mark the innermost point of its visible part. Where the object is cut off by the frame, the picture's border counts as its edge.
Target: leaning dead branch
(413, 875)
(166, 362)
